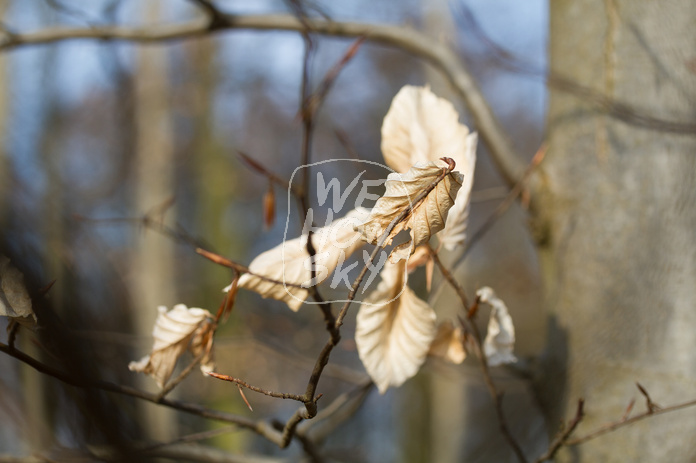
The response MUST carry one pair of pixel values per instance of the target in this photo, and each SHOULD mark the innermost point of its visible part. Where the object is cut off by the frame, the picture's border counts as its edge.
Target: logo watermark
(335, 240)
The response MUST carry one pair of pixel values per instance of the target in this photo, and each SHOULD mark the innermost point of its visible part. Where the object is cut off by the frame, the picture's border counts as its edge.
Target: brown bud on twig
(269, 207)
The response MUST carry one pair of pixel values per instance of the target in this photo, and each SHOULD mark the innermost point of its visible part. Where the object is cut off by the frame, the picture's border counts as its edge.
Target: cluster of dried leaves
(396, 330)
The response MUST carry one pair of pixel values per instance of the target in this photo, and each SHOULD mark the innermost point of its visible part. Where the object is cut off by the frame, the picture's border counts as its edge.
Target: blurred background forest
(97, 134)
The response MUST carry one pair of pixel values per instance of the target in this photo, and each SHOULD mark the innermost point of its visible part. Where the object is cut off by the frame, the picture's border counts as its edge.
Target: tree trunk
(153, 259)
(618, 250)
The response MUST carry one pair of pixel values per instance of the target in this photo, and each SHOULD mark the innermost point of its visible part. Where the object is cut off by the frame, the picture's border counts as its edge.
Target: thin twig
(506, 203)
(310, 400)
(417, 43)
(564, 434)
(471, 327)
(184, 373)
(609, 427)
(288, 430)
(277, 395)
(649, 404)
(448, 276)
(619, 110)
(259, 427)
(496, 396)
(193, 437)
(383, 238)
(261, 169)
(225, 262)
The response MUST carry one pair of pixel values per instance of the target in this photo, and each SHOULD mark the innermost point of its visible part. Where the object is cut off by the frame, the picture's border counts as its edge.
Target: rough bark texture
(619, 249)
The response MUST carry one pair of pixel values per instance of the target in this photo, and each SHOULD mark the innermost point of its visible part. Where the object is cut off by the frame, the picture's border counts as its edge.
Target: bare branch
(563, 434)
(184, 373)
(261, 428)
(225, 262)
(216, 18)
(506, 203)
(510, 165)
(624, 421)
(258, 167)
(277, 395)
(471, 327)
(619, 110)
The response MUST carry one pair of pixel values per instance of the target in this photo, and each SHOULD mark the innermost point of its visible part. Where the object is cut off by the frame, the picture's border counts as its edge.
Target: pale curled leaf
(421, 127)
(173, 332)
(427, 217)
(500, 340)
(421, 256)
(202, 344)
(15, 302)
(394, 329)
(448, 343)
(289, 262)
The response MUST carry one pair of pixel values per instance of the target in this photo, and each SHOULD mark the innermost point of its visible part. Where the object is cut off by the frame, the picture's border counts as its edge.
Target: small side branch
(259, 427)
(277, 395)
(625, 421)
(563, 434)
(510, 165)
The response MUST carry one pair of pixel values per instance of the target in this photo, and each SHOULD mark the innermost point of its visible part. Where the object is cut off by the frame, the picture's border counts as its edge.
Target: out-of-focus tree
(616, 220)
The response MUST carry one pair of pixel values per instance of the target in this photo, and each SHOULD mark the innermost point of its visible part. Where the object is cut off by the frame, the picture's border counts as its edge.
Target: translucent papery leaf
(500, 340)
(448, 343)
(421, 127)
(454, 233)
(173, 332)
(15, 302)
(427, 217)
(202, 344)
(289, 262)
(394, 329)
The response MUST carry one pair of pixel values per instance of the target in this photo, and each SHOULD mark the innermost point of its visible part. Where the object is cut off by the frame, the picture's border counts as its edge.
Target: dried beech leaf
(427, 217)
(202, 344)
(15, 302)
(173, 333)
(289, 262)
(500, 340)
(394, 329)
(449, 343)
(421, 127)
(421, 256)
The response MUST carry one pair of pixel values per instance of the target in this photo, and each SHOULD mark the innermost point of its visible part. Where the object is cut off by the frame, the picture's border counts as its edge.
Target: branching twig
(506, 203)
(510, 165)
(277, 395)
(184, 373)
(225, 262)
(624, 421)
(563, 434)
(259, 427)
(258, 167)
(622, 111)
(649, 404)
(473, 329)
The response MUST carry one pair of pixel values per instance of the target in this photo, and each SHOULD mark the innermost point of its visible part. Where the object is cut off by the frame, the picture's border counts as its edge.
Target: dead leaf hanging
(448, 343)
(15, 302)
(173, 332)
(421, 127)
(500, 340)
(394, 329)
(426, 218)
(289, 262)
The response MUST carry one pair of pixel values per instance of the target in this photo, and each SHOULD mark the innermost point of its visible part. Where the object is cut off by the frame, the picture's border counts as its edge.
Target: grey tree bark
(618, 226)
